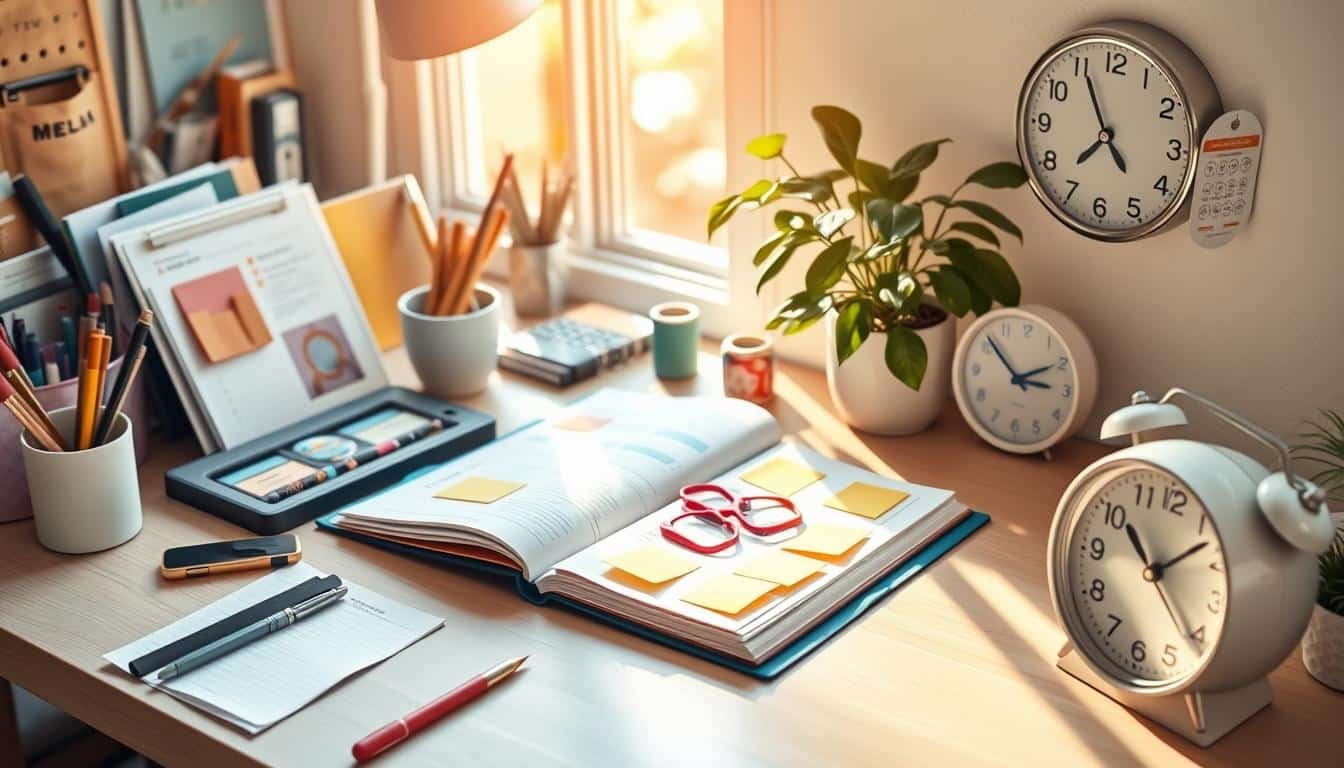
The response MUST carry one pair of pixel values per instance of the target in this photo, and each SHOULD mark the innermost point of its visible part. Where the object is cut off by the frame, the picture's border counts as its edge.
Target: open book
(574, 504)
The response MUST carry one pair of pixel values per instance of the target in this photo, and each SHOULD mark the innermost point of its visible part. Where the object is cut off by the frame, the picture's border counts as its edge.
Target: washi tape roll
(676, 339)
(748, 368)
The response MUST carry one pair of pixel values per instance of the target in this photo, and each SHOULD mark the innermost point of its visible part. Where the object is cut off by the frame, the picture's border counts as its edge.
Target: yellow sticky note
(783, 568)
(870, 501)
(729, 593)
(481, 490)
(581, 423)
(829, 540)
(653, 564)
(782, 477)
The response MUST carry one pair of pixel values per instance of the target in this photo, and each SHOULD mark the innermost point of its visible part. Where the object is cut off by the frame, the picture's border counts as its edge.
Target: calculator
(575, 346)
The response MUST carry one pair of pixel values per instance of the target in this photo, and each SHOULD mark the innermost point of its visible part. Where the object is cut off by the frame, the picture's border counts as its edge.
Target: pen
(362, 456)
(401, 729)
(40, 215)
(249, 634)
(130, 365)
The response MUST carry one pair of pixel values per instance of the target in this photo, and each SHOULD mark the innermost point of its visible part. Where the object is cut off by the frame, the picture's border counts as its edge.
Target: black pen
(40, 215)
(130, 365)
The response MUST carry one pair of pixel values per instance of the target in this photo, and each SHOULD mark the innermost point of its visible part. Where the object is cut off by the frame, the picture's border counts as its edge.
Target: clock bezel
(1187, 74)
(1075, 500)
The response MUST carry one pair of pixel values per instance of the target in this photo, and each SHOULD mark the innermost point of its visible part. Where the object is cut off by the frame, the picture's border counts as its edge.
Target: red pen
(399, 730)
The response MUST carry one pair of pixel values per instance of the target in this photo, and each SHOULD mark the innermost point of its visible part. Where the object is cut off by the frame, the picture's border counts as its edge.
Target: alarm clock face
(1106, 136)
(1145, 577)
(1017, 382)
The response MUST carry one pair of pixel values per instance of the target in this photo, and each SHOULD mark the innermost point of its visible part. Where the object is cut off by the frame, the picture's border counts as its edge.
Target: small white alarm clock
(1184, 572)
(1024, 377)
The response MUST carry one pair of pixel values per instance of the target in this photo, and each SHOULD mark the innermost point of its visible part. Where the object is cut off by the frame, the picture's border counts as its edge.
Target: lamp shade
(427, 29)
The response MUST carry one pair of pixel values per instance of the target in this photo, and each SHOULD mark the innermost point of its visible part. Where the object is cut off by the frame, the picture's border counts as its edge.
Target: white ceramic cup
(453, 354)
(84, 501)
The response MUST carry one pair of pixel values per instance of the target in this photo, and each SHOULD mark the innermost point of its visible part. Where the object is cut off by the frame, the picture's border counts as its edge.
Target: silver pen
(251, 633)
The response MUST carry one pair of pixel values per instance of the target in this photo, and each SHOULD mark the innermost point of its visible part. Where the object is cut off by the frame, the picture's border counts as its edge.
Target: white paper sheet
(261, 684)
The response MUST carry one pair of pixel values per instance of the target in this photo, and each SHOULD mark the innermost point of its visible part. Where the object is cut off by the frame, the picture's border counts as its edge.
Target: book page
(548, 491)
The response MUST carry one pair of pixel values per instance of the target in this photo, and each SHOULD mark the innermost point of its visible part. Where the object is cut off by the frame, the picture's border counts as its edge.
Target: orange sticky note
(870, 501)
(729, 593)
(829, 540)
(653, 564)
(783, 568)
(781, 476)
(481, 490)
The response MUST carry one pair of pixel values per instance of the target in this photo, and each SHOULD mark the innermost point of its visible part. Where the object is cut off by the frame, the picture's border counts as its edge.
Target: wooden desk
(957, 667)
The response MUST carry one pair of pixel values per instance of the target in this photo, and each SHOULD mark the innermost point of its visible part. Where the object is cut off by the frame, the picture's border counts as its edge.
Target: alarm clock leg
(1047, 455)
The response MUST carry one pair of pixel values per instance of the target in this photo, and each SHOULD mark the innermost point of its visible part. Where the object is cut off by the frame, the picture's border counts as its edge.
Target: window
(629, 93)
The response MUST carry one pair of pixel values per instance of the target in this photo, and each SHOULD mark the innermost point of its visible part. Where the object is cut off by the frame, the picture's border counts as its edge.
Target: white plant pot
(1323, 647)
(869, 398)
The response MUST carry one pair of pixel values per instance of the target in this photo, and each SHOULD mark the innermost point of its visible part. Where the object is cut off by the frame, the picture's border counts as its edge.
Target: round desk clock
(1025, 378)
(1184, 572)
(1108, 127)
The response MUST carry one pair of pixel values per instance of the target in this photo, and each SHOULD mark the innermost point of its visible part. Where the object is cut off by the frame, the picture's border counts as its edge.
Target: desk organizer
(14, 481)
(238, 484)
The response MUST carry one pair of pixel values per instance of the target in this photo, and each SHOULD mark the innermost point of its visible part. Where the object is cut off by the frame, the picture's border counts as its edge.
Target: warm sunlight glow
(657, 98)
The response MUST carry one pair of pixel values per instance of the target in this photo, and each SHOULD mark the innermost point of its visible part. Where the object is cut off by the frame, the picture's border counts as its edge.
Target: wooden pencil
(14, 404)
(436, 265)
(454, 268)
(485, 245)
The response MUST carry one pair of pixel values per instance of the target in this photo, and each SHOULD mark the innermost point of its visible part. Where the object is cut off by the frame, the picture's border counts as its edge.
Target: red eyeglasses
(759, 515)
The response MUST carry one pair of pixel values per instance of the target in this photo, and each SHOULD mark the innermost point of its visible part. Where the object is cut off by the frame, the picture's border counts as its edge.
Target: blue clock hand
(1016, 380)
(1034, 383)
(1034, 371)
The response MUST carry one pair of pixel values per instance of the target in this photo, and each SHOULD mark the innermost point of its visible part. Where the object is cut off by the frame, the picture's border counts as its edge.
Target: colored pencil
(454, 266)
(86, 409)
(130, 366)
(109, 315)
(14, 404)
(18, 380)
(362, 456)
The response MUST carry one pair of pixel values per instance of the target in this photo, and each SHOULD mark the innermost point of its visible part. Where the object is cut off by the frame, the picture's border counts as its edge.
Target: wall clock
(1184, 572)
(1024, 377)
(1108, 127)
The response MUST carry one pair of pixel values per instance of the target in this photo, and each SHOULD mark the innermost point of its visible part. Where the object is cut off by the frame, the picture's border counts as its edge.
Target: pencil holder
(84, 501)
(537, 278)
(452, 354)
(14, 481)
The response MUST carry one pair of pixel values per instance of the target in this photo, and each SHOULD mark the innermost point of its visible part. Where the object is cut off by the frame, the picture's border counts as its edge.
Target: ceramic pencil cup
(537, 278)
(84, 501)
(452, 354)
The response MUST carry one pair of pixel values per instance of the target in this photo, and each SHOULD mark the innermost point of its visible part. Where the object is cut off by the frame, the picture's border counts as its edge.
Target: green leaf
(721, 212)
(877, 251)
(775, 266)
(951, 290)
(768, 247)
(799, 313)
(918, 158)
(852, 326)
(767, 147)
(907, 357)
(830, 222)
(841, 131)
(871, 175)
(900, 187)
(894, 220)
(999, 176)
(811, 190)
(962, 255)
(981, 302)
(942, 200)
(833, 175)
(975, 229)
(938, 246)
(828, 267)
(1005, 289)
(859, 198)
(990, 215)
(761, 193)
(786, 221)
(900, 290)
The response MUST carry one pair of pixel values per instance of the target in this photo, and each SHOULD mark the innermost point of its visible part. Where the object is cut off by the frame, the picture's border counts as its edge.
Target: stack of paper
(263, 683)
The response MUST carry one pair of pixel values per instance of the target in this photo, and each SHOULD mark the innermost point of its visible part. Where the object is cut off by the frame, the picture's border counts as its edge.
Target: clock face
(1018, 380)
(1106, 137)
(1146, 577)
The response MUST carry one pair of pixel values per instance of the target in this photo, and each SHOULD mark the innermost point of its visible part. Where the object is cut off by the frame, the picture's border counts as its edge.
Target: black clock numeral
(1059, 89)
(1202, 518)
(1138, 496)
(1058, 416)
(995, 417)
(1015, 425)
(1063, 363)
(1027, 328)
(1043, 122)
(1145, 78)
(1050, 162)
(1215, 601)
(1137, 651)
(1115, 515)
(1080, 66)
(1098, 590)
(1133, 208)
(1067, 392)
(1115, 62)
(1098, 548)
(1073, 187)
(1178, 501)
(1169, 655)
(1099, 207)
(1216, 566)
(1114, 626)
(1198, 635)
(1168, 107)
(1161, 184)
(1175, 152)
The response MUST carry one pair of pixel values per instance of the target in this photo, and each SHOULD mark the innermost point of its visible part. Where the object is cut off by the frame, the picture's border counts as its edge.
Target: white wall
(1255, 324)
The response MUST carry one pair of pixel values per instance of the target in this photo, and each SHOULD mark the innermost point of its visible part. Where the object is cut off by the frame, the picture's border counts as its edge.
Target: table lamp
(427, 29)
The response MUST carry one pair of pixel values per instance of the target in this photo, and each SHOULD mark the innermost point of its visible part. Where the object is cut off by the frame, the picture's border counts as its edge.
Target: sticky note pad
(783, 568)
(481, 490)
(653, 564)
(581, 423)
(870, 501)
(829, 540)
(782, 477)
(730, 593)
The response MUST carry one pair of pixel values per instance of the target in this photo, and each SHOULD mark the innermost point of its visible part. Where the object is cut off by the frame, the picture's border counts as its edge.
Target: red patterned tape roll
(748, 368)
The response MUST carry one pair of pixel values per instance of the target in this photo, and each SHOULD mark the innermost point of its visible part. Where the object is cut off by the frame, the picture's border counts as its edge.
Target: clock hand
(1034, 371)
(1138, 545)
(1089, 151)
(1183, 555)
(1176, 622)
(1006, 364)
(1096, 106)
(1034, 383)
(1115, 153)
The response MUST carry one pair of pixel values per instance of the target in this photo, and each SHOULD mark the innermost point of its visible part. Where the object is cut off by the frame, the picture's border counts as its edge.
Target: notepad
(653, 564)
(729, 593)
(865, 500)
(783, 568)
(782, 477)
(829, 540)
(481, 490)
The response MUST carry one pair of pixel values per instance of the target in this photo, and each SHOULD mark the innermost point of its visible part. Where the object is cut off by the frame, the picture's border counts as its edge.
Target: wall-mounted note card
(653, 564)
(581, 423)
(870, 501)
(730, 594)
(481, 490)
(783, 568)
(829, 540)
(781, 476)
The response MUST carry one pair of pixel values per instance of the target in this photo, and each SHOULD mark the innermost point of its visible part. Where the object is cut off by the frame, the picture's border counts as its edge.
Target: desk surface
(956, 667)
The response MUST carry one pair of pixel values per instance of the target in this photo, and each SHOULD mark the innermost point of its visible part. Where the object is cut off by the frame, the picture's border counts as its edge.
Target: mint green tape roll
(676, 339)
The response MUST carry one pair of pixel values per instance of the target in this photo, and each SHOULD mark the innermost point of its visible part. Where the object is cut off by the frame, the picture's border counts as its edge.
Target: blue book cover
(180, 37)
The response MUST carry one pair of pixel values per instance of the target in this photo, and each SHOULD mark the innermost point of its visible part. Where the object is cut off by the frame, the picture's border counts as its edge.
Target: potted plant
(1323, 643)
(886, 270)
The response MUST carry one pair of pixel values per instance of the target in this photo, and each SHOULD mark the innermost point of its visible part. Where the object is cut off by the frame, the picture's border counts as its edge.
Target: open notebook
(573, 505)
